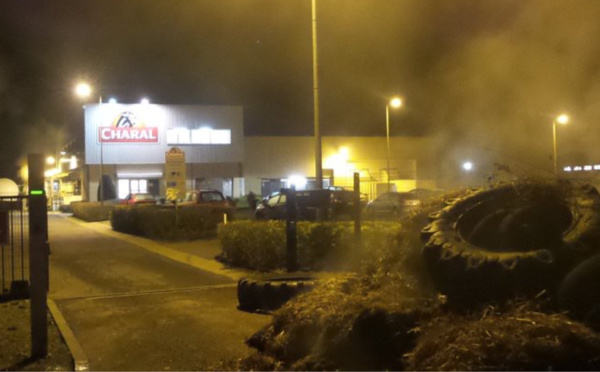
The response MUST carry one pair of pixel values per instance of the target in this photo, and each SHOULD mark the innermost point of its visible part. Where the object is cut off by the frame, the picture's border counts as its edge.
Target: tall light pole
(561, 119)
(318, 153)
(395, 103)
(84, 90)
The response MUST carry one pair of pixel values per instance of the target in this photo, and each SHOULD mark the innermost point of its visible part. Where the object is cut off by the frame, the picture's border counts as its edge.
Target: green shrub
(260, 245)
(92, 211)
(166, 222)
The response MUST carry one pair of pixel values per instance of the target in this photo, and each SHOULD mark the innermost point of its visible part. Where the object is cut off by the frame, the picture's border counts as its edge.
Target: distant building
(128, 143)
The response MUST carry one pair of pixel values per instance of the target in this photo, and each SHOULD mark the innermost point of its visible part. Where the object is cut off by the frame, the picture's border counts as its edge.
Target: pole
(318, 155)
(555, 151)
(357, 206)
(291, 230)
(387, 136)
(101, 160)
(38, 256)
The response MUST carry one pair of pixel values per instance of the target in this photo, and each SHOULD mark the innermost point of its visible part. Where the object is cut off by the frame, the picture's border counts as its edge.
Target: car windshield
(211, 196)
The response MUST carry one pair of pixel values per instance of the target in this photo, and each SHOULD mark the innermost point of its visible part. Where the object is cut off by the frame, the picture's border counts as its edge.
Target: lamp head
(396, 102)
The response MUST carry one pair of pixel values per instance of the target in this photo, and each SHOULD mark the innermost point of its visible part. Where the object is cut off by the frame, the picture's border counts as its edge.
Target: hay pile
(344, 325)
(519, 338)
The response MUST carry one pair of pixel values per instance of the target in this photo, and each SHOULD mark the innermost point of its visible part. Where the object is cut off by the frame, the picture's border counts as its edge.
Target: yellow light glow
(396, 102)
(339, 162)
(83, 90)
(50, 160)
(562, 119)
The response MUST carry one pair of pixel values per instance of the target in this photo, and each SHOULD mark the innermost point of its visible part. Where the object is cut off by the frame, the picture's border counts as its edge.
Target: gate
(14, 247)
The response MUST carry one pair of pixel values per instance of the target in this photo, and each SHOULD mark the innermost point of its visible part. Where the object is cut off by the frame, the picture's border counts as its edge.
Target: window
(202, 136)
(128, 186)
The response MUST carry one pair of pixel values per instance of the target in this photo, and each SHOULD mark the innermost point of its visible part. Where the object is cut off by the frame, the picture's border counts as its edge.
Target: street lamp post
(317, 130)
(395, 103)
(84, 90)
(561, 119)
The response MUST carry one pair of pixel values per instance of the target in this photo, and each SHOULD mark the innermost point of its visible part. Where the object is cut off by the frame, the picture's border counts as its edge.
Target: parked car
(364, 198)
(205, 197)
(139, 198)
(393, 204)
(310, 204)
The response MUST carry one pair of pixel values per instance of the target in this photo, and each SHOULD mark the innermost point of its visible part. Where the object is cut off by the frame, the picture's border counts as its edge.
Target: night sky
(477, 74)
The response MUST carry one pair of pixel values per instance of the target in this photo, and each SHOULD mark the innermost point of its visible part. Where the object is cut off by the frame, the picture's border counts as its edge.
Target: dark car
(205, 197)
(310, 205)
(393, 204)
(139, 198)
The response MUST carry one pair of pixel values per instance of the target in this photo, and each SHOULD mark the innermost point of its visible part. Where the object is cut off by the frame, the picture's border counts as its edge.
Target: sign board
(175, 173)
(128, 127)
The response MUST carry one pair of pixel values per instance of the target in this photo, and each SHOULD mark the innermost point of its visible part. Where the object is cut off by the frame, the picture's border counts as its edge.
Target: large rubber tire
(579, 293)
(488, 244)
(270, 294)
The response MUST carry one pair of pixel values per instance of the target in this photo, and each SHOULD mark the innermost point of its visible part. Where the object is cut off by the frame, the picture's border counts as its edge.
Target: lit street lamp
(561, 119)
(84, 90)
(395, 103)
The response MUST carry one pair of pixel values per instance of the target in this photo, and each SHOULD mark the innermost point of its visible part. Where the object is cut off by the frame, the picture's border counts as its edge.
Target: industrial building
(128, 143)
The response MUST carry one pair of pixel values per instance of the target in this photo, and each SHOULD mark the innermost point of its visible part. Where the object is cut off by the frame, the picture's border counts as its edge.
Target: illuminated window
(172, 136)
(183, 136)
(202, 136)
(220, 137)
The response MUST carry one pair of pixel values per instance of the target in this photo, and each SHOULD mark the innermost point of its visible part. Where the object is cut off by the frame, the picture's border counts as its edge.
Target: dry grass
(15, 342)
(519, 338)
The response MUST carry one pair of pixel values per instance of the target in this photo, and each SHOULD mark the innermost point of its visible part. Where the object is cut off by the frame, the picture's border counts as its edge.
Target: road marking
(150, 292)
(80, 359)
(210, 266)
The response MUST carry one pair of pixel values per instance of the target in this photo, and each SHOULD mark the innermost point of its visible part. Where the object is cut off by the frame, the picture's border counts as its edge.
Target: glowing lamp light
(83, 90)
(112, 100)
(298, 182)
(145, 101)
(396, 102)
(468, 166)
(562, 119)
(50, 160)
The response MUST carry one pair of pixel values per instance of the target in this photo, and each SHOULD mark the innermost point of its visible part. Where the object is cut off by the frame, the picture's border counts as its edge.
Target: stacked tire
(515, 239)
(270, 294)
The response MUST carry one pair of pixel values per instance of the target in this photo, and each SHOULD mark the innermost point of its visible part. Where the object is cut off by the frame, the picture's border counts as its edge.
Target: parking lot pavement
(134, 304)
(180, 330)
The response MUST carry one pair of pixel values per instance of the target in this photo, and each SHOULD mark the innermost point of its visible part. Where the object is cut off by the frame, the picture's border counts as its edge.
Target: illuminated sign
(127, 127)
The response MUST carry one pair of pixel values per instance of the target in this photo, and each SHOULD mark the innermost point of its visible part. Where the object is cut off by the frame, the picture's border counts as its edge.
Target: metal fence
(14, 247)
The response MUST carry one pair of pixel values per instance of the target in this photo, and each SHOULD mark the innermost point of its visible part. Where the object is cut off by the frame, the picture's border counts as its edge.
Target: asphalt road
(131, 309)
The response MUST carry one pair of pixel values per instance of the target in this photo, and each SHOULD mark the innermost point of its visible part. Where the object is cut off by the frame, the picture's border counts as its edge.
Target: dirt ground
(15, 342)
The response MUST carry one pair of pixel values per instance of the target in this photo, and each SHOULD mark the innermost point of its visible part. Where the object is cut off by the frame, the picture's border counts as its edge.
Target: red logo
(110, 134)
(128, 128)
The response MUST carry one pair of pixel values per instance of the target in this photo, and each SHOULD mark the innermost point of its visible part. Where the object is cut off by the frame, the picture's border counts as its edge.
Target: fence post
(290, 230)
(38, 256)
(357, 214)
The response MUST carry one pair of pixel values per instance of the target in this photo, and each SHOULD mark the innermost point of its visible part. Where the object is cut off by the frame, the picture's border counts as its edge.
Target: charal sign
(127, 127)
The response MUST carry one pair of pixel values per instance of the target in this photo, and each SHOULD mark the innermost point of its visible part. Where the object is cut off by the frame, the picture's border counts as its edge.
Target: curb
(80, 359)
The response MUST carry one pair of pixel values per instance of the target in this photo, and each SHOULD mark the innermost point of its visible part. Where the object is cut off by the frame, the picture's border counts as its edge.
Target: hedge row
(91, 211)
(166, 222)
(260, 245)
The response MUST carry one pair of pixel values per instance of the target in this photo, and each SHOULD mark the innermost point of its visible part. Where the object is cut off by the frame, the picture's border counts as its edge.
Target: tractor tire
(509, 240)
(579, 293)
(270, 294)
